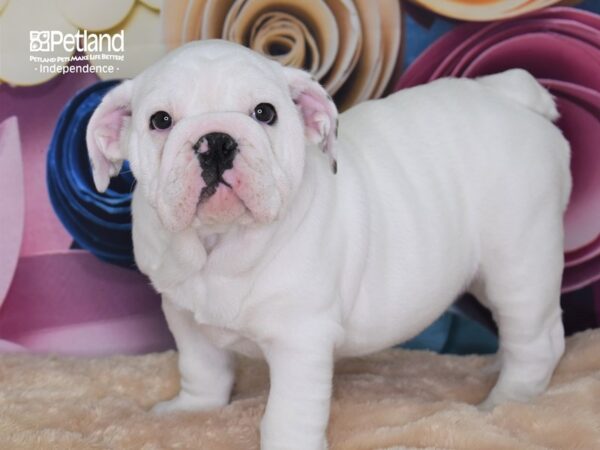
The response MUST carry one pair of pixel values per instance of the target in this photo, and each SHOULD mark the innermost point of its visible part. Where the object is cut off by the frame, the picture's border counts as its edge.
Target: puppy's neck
(242, 248)
(210, 242)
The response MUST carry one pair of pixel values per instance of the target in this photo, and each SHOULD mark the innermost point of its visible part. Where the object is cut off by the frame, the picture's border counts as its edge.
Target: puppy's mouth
(209, 190)
(219, 203)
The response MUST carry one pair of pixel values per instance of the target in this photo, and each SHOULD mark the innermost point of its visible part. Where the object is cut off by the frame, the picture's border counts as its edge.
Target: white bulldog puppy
(258, 246)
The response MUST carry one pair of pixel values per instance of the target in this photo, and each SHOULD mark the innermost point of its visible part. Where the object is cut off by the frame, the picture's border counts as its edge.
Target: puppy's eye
(265, 112)
(160, 120)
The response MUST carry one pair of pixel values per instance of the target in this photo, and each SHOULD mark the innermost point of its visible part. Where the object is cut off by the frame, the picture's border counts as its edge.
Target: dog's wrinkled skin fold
(456, 186)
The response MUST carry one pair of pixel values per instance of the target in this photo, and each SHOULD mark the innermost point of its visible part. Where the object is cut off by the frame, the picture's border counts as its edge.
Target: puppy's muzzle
(215, 152)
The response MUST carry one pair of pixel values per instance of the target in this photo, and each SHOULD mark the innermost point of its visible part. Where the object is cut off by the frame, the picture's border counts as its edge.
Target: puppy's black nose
(216, 152)
(216, 149)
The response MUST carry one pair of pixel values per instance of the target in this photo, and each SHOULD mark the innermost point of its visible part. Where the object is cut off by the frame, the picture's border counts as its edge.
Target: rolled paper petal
(311, 22)
(172, 22)
(483, 10)
(72, 303)
(16, 67)
(100, 223)
(391, 29)
(561, 47)
(95, 15)
(580, 113)
(213, 19)
(12, 203)
(192, 20)
(582, 275)
(583, 254)
(441, 58)
(363, 80)
(381, 25)
(286, 38)
(348, 22)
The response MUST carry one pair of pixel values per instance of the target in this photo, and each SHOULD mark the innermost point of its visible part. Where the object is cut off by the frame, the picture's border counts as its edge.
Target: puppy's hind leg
(477, 289)
(522, 287)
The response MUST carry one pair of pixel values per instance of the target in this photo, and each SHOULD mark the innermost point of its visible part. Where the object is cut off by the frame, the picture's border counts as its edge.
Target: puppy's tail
(520, 86)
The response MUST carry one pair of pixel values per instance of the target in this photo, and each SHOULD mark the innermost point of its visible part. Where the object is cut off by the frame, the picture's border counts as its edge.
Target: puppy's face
(215, 135)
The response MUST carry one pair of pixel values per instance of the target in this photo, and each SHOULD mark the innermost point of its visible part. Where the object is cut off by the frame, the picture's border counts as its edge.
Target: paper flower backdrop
(561, 47)
(139, 20)
(351, 47)
(61, 299)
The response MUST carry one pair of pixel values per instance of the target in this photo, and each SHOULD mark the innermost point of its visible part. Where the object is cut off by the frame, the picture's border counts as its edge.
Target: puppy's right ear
(104, 132)
(317, 109)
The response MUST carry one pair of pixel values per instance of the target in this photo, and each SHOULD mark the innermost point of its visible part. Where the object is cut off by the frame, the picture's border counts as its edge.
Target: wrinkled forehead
(193, 82)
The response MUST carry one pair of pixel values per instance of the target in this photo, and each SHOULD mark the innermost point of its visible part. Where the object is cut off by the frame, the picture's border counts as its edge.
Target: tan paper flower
(351, 47)
(484, 10)
(139, 21)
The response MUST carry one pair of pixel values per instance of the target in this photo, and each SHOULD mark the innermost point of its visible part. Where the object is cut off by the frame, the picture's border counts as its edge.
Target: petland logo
(48, 41)
(103, 51)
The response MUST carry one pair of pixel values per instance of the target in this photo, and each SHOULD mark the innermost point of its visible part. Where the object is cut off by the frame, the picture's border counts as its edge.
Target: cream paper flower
(139, 21)
(351, 47)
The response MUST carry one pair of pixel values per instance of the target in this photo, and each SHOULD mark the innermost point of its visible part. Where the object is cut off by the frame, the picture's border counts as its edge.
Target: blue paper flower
(100, 223)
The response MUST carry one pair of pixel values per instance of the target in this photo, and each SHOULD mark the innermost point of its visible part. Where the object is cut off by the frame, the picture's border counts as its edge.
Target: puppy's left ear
(103, 136)
(318, 111)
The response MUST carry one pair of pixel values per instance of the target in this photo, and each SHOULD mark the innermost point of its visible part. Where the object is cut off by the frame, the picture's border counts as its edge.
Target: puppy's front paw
(497, 398)
(185, 402)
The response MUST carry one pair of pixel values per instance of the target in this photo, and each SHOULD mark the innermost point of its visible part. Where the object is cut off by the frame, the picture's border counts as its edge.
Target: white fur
(459, 185)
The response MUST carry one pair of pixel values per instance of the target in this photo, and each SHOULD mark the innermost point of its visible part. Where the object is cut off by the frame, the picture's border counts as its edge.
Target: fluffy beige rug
(396, 399)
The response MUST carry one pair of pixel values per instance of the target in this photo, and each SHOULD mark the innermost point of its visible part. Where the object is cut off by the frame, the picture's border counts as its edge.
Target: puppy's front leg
(297, 411)
(206, 371)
